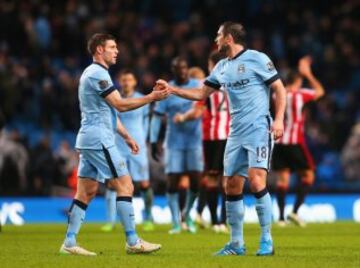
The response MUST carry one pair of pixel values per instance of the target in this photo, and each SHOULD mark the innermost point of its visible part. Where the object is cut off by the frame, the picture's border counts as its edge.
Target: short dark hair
(125, 72)
(178, 59)
(236, 30)
(98, 39)
(291, 77)
(216, 56)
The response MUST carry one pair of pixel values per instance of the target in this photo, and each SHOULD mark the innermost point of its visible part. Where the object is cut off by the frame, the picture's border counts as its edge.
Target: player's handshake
(160, 91)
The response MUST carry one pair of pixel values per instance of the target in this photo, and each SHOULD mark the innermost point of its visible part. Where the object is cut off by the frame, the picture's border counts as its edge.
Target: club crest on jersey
(270, 66)
(103, 84)
(241, 68)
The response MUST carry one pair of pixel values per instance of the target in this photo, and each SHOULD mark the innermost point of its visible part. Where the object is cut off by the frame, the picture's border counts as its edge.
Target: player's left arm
(134, 147)
(305, 70)
(268, 73)
(277, 127)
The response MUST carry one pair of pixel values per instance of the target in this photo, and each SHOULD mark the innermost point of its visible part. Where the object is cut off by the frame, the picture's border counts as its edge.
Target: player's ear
(100, 49)
(229, 38)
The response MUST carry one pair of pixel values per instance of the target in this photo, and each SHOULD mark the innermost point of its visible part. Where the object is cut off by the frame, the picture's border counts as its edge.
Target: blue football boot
(266, 248)
(229, 249)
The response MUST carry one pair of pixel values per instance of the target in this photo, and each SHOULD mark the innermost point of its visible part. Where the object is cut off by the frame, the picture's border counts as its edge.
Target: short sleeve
(266, 69)
(102, 83)
(212, 80)
(307, 94)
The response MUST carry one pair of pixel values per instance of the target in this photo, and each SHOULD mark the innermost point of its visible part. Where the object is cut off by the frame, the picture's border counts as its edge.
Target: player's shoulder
(95, 70)
(221, 63)
(253, 54)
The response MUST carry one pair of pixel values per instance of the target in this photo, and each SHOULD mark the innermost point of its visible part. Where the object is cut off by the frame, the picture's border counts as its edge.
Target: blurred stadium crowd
(42, 54)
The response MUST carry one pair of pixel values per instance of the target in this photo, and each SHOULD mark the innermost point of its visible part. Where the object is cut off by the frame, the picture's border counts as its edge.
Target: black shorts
(214, 155)
(294, 156)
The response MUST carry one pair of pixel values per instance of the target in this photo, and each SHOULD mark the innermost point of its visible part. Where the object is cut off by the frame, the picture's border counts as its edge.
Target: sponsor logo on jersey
(241, 68)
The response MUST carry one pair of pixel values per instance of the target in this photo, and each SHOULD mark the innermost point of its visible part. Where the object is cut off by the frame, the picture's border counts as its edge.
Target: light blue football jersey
(98, 118)
(246, 79)
(186, 135)
(137, 124)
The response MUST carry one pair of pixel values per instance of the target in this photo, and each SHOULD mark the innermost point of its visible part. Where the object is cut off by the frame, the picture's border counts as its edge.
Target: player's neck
(180, 81)
(235, 50)
(292, 89)
(100, 61)
(128, 92)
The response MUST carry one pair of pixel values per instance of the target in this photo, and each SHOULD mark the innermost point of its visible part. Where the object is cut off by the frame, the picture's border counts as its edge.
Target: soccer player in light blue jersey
(100, 159)
(183, 145)
(137, 124)
(247, 76)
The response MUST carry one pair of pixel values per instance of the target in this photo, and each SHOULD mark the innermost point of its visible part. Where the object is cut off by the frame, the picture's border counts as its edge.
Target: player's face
(221, 41)
(127, 82)
(181, 70)
(110, 52)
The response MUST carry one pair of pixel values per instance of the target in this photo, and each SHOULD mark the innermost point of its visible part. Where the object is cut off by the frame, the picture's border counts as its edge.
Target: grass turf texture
(318, 245)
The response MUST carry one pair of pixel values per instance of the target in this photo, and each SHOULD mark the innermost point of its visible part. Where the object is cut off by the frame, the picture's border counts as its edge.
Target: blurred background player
(100, 159)
(183, 147)
(137, 124)
(197, 73)
(215, 124)
(291, 152)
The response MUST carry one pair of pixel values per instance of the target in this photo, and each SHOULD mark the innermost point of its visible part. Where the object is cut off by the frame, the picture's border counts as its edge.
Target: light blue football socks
(264, 212)
(235, 216)
(75, 219)
(125, 211)
(173, 201)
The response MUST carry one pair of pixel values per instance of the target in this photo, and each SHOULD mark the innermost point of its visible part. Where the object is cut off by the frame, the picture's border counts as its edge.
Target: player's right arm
(101, 82)
(123, 105)
(190, 94)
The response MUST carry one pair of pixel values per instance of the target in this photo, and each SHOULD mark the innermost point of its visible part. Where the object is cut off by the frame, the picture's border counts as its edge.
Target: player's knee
(232, 187)
(257, 183)
(308, 177)
(123, 186)
(86, 196)
(257, 179)
(144, 185)
(127, 188)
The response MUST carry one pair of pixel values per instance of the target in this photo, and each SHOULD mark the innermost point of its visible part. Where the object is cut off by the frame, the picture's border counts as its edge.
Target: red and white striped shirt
(216, 117)
(295, 117)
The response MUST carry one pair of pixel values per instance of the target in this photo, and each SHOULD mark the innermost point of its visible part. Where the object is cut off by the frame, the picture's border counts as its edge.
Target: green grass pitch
(318, 245)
